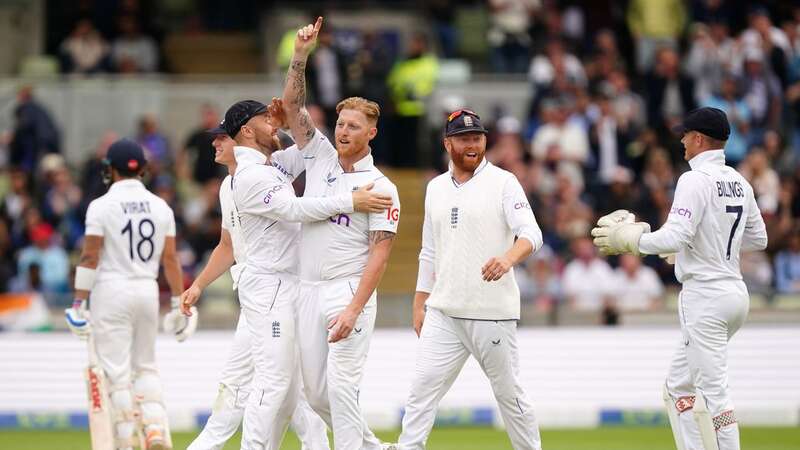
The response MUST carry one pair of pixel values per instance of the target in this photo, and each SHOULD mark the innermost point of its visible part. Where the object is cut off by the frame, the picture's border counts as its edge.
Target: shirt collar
(127, 183)
(483, 164)
(246, 156)
(364, 163)
(715, 157)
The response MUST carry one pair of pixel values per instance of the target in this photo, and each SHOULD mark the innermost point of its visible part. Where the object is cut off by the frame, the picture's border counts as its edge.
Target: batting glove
(78, 319)
(620, 238)
(175, 322)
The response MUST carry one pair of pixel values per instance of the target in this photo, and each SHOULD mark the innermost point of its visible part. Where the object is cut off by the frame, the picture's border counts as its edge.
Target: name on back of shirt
(730, 189)
(135, 207)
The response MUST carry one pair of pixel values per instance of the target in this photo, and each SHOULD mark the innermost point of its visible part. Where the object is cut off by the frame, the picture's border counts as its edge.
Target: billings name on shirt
(135, 207)
(730, 189)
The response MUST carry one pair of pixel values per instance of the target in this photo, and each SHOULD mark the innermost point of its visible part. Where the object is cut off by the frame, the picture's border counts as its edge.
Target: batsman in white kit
(478, 225)
(237, 374)
(714, 216)
(129, 231)
(343, 257)
(269, 212)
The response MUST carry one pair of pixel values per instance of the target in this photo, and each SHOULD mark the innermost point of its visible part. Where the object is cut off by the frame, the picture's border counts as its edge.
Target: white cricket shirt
(338, 246)
(268, 211)
(713, 217)
(134, 224)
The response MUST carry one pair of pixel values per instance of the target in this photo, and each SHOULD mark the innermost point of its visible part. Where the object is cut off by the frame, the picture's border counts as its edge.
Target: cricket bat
(101, 428)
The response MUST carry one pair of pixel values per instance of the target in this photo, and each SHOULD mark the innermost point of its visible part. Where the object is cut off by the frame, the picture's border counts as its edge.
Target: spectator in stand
(508, 150)
(61, 205)
(605, 58)
(659, 183)
(757, 273)
(559, 139)
(411, 83)
(34, 133)
(6, 264)
(443, 16)
(764, 179)
(771, 40)
(787, 266)
(92, 174)
(727, 99)
(670, 93)
(780, 157)
(202, 215)
(619, 193)
(49, 255)
(587, 279)
(607, 139)
(84, 51)
(636, 287)
(18, 199)
(509, 41)
(762, 93)
(327, 75)
(703, 62)
(556, 60)
(198, 153)
(630, 110)
(133, 51)
(539, 282)
(654, 24)
(154, 142)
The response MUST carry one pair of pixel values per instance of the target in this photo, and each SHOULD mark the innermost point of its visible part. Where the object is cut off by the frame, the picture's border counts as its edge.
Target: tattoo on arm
(297, 77)
(305, 125)
(376, 237)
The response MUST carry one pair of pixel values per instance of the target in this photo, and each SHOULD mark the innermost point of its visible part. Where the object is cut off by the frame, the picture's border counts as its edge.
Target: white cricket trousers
(445, 344)
(234, 390)
(710, 314)
(332, 372)
(267, 306)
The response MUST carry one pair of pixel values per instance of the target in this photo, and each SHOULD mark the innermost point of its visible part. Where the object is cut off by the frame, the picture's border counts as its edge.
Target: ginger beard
(353, 132)
(265, 135)
(466, 150)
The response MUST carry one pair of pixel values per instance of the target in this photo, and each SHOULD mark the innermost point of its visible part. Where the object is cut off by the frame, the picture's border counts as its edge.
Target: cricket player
(268, 210)
(713, 217)
(342, 258)
(478, 224)
(129, 231)
(237, 374)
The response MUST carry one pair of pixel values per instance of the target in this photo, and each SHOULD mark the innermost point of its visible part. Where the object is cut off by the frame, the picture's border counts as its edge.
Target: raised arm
(294, 91)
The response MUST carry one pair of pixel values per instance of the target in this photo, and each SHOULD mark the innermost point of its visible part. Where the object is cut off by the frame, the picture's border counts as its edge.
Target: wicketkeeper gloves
(618, 233)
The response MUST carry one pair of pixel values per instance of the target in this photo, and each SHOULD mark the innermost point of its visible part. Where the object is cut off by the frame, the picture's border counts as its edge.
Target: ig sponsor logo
(393, 215)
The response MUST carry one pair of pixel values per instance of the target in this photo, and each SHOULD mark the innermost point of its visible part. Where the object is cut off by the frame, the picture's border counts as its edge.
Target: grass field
(455, 439)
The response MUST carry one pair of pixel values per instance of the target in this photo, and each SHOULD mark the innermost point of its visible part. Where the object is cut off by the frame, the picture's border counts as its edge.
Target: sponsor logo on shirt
(681, 212)
(522, 205)
(281, 169)
(393, 215)
(271, 191)
(341, 219)
(330, 178)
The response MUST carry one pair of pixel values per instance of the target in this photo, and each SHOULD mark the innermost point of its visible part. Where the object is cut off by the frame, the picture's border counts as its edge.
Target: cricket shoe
(389, 446)
(154, 440)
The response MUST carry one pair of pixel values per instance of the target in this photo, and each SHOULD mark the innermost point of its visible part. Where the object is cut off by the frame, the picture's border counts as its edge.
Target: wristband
(84, 278)
(175, 301)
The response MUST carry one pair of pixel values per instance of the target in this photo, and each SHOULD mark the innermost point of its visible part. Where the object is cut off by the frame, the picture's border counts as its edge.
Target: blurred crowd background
(604, 83)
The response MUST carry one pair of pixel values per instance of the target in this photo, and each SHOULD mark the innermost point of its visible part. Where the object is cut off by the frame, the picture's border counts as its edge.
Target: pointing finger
(318, 25)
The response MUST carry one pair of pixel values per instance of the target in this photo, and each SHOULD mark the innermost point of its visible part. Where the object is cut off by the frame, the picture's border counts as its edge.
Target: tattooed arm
(294, 91)
(380, 246)
(90, 258)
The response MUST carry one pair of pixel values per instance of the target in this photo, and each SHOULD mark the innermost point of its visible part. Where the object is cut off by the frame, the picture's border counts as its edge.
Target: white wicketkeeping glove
(78, 319)
(619, 238)
(618, 216)
(175, 322)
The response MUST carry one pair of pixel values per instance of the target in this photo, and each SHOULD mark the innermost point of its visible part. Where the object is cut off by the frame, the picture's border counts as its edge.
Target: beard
(269, 144)
(465, 164)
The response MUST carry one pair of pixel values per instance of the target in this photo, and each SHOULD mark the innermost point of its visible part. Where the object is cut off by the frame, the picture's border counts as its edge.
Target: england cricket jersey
(231, 224)
(713, 217)
(134, 224)
(338, 247)
(268, 211)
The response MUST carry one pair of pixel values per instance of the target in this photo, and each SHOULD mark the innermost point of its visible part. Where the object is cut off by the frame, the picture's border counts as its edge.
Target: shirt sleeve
(426, 275)
(289, 162)
(687, 210)
(171, 223)
(755, 231)
(389, 219)
(319, 148)
(94, 221)
(519, 215)
(269, 196)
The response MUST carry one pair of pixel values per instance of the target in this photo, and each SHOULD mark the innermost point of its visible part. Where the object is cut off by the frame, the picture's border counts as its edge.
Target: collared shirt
(338, 246)
(713, 217)
(231, 224)
(269, 211)
(518, 214)
(134, 224)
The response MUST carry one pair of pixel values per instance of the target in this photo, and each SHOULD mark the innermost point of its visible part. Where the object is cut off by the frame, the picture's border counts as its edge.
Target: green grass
(611, 438)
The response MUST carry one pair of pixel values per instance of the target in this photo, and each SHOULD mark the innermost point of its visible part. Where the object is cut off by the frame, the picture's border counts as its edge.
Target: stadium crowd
(597, 137)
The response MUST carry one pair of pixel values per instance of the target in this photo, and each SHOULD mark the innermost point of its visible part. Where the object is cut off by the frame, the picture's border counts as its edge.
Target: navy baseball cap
(710, 121)
(463, 121)
(126, 156)
(238, 115)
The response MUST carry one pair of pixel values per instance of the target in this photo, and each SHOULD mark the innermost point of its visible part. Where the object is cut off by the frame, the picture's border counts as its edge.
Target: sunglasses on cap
(456, 114)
